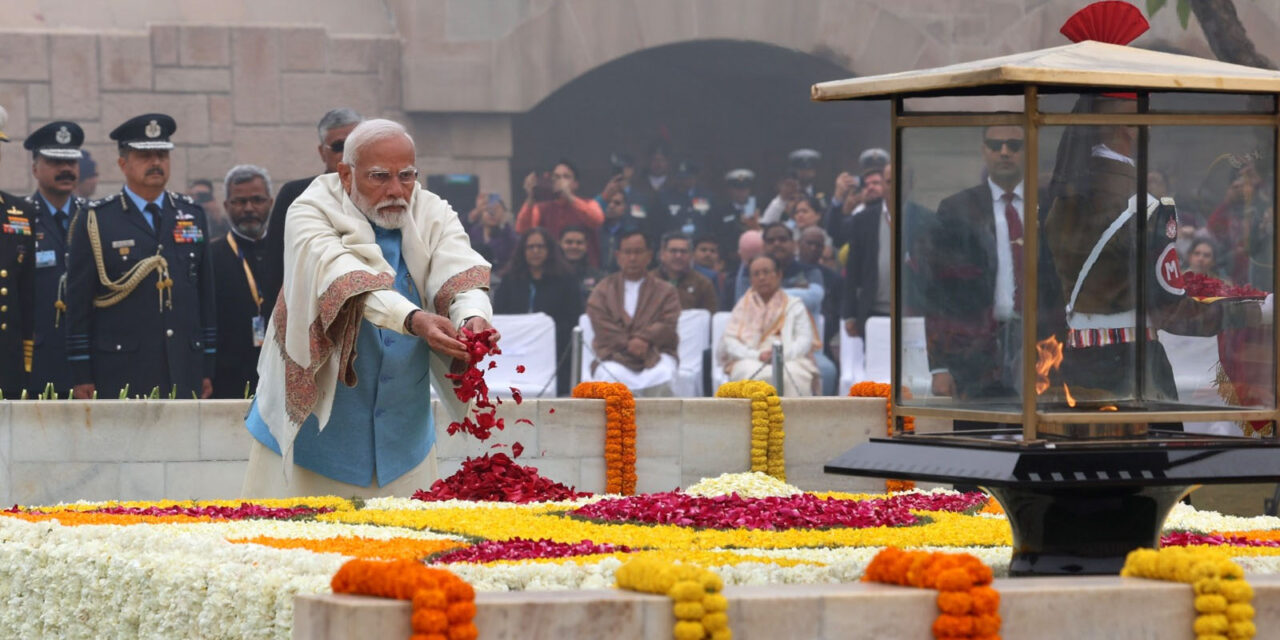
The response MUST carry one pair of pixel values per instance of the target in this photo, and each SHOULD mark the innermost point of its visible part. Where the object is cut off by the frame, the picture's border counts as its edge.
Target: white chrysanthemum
(753, 484)
(1185, 517)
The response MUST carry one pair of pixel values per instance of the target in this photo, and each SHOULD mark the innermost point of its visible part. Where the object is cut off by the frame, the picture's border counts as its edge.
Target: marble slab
(1041, 608)
(65, 450)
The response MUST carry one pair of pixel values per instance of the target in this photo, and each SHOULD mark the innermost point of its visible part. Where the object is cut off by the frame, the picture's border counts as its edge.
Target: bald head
(750, 244)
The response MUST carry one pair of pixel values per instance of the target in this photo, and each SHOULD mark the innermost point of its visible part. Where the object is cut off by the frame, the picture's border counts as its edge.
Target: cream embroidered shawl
(332, 263)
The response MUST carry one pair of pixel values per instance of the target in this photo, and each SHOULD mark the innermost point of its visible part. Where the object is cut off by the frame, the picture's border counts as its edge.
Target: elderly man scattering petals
(375, 265)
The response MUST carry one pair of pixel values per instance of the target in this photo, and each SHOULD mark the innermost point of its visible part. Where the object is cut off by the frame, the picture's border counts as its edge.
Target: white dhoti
(654, 381)
(265, 478)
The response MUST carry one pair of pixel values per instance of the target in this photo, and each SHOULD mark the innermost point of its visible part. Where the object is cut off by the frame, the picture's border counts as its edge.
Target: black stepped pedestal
(1076, 507)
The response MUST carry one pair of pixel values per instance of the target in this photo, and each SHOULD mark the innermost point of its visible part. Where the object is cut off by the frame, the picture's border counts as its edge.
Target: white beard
(376, 213)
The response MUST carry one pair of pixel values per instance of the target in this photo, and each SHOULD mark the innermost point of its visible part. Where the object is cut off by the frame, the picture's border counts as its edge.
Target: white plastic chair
(588, 354)
(694, 329)
(853, 363)
(528, 339)
(915, 359)
(719, 321)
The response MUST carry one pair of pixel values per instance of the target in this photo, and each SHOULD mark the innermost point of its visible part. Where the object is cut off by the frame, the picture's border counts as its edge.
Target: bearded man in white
(379, 276)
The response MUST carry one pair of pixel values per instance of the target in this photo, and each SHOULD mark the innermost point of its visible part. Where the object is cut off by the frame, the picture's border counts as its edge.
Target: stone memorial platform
(67, 450)
(1041, 608)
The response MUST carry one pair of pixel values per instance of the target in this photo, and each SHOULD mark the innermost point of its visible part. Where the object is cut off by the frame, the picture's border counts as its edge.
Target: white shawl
(335, 275)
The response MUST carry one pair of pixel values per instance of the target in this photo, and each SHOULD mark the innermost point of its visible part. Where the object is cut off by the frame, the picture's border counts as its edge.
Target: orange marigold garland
(882, 390)
(768, 434)
(443, 604)
(619, 434)
(967, 604)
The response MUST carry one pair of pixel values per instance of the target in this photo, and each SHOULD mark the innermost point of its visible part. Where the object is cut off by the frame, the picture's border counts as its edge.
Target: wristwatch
(408, 322)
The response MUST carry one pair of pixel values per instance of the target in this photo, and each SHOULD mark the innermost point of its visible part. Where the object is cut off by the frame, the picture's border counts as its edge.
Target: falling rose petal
(493, 364)
(497, 446)
(515, 395)
(516, 450)
(525, 421)
(551, 410)
(519, 368)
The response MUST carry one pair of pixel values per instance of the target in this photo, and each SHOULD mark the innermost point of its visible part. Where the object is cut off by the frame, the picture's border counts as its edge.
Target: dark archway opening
(724, 104)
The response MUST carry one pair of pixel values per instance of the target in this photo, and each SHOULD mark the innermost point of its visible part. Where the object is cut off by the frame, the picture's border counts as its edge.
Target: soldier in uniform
(56, 155)
(140, 296)
(1091, 233)
(17, 284)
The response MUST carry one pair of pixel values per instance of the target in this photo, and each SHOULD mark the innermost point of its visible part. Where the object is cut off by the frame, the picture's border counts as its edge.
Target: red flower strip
(245, 511)
(497, 478)
(525, 549)
(1203, 286)
(1189, 538)
(772, 514)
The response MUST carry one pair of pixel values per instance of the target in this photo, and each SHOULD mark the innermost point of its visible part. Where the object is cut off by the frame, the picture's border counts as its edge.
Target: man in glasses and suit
(974, 281)
(334, 127)
(140, 297)
(55, 164)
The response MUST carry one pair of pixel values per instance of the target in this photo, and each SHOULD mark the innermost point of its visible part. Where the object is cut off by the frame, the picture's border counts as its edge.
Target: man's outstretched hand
(439, 334)
(477, 324)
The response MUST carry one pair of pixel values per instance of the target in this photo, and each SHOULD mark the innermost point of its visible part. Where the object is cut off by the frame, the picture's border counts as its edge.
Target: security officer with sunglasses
(140, 296)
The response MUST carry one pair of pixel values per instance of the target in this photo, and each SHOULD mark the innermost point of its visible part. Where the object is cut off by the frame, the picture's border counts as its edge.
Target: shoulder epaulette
(181, 197)
(93, 204)
(31, 199)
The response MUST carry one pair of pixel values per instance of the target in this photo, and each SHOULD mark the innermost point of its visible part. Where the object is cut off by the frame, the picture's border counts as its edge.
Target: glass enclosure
(1103, 306)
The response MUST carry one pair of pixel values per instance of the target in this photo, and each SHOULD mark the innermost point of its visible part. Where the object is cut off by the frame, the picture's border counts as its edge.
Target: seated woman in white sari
(764, 315)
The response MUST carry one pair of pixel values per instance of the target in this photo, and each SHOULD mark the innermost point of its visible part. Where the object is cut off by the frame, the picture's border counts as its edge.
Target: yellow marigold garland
(700, 609)
(882, 390)
(619, 433)
(767, 422)
(967, 603)
(1222, 595)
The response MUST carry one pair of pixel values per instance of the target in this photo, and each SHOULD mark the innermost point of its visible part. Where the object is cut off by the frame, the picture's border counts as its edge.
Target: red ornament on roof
(1110, 21)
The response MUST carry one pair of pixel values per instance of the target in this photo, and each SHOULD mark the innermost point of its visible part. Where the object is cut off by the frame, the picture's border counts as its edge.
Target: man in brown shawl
(634, 317)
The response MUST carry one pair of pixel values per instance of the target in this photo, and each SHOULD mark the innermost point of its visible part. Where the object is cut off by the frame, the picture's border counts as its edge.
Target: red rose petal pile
(245, 511)
(525, 549)
(1189, 539)
(801, 511)
(1202, 286)
(470, 385)
(497, 478)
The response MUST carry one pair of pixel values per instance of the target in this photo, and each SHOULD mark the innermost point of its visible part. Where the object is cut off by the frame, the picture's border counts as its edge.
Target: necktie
(154, 210)
(61, 218)
(1015, 246)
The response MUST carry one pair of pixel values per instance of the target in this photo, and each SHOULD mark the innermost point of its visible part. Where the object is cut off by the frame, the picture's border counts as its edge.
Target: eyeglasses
(1014, 144)
(256, 201)
(337, 145)
(632, 252)
(381, 177)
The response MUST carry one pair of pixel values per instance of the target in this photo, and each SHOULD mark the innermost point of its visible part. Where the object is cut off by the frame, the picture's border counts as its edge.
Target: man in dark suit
(56, 154)
(17, 283)
(333, 128)
(866, 280)
(246, 286)
(973, 322)
(140, 297)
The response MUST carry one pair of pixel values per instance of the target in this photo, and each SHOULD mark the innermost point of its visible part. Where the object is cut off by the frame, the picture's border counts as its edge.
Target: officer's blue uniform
(49, 364)
(57, 143)
(161, 335)
(17, 283)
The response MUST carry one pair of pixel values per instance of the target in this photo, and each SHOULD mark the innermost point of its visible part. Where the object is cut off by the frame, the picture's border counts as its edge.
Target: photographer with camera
(551, 203)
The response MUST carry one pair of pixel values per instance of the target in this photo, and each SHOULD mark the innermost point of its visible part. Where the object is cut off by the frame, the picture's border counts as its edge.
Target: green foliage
(1183, 8)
